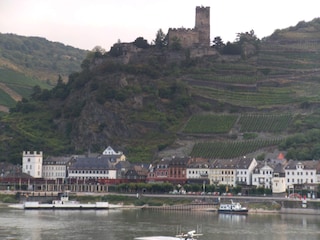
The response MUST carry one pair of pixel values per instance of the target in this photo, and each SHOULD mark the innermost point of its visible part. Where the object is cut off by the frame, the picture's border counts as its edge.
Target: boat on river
(191, 235)
(232, 208)
(65, 204)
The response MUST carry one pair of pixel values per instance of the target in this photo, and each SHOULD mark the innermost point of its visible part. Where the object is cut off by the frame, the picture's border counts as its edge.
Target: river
(127, 224)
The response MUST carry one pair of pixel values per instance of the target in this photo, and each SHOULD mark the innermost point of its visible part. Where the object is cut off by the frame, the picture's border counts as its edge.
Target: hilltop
(29, 61)
(155, 101)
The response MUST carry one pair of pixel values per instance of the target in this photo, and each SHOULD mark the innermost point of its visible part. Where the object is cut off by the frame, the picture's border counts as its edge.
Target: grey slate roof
(56, 160)
(312, 164)
(92, 164)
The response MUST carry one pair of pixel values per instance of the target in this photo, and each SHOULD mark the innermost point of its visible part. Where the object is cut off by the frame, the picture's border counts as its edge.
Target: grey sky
(89, 23)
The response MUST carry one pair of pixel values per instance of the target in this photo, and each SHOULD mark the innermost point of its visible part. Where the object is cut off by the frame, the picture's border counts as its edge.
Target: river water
(127, 224)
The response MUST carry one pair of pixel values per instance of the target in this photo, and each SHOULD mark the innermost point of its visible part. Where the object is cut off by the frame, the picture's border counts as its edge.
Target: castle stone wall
(203, 25)
(198, 36)
(187, 37)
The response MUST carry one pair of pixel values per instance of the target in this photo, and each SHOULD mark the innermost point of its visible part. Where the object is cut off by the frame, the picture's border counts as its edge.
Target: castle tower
(32, 163)
(203, 25)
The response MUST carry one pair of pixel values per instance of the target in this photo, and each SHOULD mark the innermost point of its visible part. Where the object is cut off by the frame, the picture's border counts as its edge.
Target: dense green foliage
(38, 53)
(140, 105)
(26, 62)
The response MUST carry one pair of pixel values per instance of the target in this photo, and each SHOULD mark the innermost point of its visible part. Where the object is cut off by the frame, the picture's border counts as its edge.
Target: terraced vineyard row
(227, 149)
(264, 122)
(263, 97)
(239, 79)
(210, 123)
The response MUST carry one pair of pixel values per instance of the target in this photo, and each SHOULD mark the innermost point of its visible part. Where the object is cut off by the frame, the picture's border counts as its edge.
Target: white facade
(278, 184)
(197, 173)
(32, 163)
(55, 167)
(93, 174)
(262, 176)
(244, 171)
(223, 176)
(54, 171)
(109, 151)
(301, 172)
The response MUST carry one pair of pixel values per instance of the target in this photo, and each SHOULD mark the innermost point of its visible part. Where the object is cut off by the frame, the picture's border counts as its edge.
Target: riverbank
(258, 205)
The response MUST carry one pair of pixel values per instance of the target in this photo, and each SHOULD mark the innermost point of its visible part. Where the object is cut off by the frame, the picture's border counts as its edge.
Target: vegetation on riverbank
(8, 198)
(135, 200)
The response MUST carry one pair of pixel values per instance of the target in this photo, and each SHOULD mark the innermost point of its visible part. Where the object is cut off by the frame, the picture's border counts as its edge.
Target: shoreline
(256, 205)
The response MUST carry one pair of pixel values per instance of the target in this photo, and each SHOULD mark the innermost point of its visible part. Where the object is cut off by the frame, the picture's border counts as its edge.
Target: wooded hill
(26, 62)
(249, 98)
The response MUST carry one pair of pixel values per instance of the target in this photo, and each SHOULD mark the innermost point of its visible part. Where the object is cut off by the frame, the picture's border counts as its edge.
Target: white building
(245, 168)
(223, 172)
(262, 175)
(92, 168)
(301, 172)
(113, 155)
(55, 167)
(279, 179)
(198, 169)
(32, 163)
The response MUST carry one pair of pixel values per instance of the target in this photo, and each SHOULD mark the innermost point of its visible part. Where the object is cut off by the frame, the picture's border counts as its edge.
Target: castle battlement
(34, 153)
(181, 29)
(193, 37)
(202, 8)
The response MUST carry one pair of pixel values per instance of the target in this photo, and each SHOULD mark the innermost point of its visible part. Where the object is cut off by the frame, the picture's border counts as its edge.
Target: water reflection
(232, 218)
(127, 224)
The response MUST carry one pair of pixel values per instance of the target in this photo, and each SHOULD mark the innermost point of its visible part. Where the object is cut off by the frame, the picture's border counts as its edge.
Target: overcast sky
(88, 23)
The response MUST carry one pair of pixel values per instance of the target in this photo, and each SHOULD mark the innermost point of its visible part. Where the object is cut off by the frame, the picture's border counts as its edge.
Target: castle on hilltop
(199, 36)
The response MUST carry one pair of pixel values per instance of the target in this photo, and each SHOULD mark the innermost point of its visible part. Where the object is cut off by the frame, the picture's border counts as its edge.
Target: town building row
(277, 174)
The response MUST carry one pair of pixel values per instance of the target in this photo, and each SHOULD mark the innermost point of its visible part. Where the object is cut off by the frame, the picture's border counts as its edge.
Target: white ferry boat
(65, 204)
(233, 207)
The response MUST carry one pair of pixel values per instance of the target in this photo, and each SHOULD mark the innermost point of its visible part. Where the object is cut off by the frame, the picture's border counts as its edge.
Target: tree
(99, 49)
(140, 42)
(176, 44)
(161, 39)
(232, 49)
(247, 37)
(218, 44)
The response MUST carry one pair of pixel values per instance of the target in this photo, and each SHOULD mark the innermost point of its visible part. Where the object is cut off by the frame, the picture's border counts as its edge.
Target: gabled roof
(263, 165)
(123, 165)
(199, 163)
(109, 151)
(310, 164)
(225, 164)
(279, 168)
(244, 163)
(179, 161)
